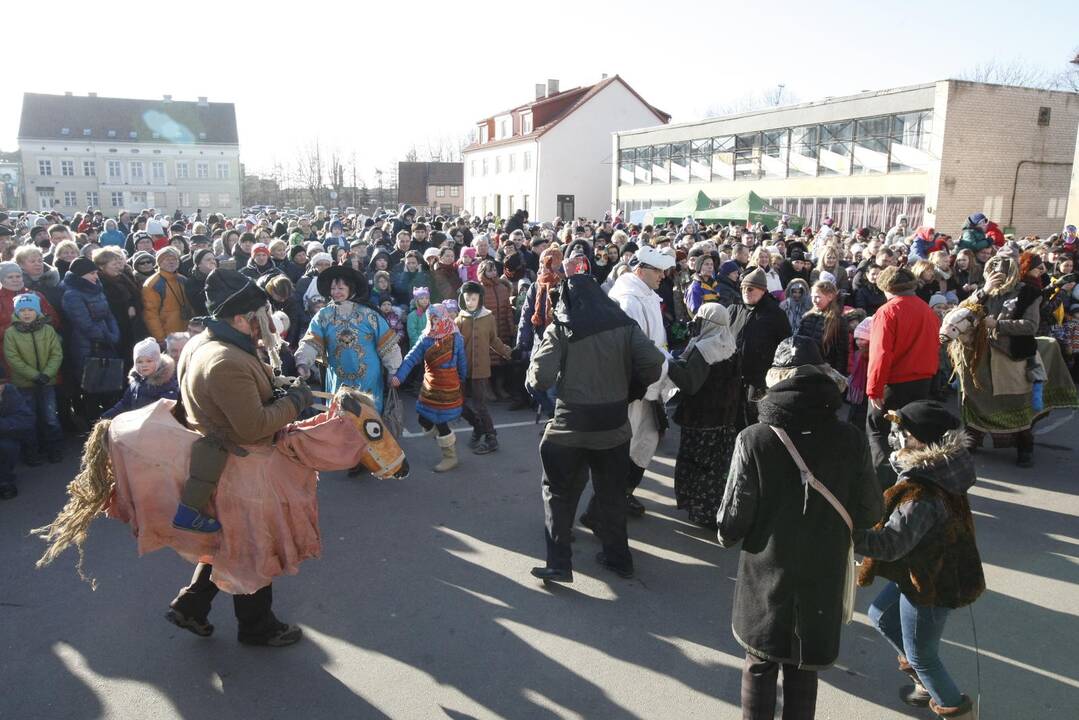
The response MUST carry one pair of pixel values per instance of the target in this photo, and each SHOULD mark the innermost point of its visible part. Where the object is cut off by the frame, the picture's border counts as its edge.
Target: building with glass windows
(936, 152)
(118, 153)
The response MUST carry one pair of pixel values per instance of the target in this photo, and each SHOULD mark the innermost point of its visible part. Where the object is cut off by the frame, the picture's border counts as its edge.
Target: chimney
(91, 94)
(203, 102)
(541, 90)
(552, 87)
(604, 76)
(167, 98)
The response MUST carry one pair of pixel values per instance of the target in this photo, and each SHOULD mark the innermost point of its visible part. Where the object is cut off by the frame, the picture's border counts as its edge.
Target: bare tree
(773, 97)
(310, 171)
(1010, 72)
(412, 155)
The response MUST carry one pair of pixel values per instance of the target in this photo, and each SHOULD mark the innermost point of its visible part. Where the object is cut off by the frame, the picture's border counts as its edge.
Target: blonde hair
(25, 252)
(920, 267)
(102, 256)
(65, 245)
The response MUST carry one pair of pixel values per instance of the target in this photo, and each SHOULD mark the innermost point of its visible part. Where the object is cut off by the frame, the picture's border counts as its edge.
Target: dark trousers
(633, 479)
(253, 612)
(877, 426)
(565, 473)
(759, 690)
(49, 436)
(443, 428)
(475, 410)
(9, 458)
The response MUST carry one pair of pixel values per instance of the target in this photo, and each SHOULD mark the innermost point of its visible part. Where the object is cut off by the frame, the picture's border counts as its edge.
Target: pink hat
(864, 329)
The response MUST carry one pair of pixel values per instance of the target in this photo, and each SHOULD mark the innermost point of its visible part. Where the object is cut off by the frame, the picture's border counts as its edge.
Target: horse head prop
(966, 339)
(384, 457)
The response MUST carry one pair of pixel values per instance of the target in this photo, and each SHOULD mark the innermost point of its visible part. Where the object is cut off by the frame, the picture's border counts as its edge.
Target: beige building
(936, 152)
(1072, 213)
(118, 153)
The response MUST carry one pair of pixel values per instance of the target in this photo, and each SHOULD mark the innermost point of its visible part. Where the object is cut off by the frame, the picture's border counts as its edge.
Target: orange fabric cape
(266, 501)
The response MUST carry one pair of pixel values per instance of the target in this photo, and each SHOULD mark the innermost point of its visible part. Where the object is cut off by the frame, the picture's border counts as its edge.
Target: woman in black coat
(788, 603)
(709, 384)
(124, 294)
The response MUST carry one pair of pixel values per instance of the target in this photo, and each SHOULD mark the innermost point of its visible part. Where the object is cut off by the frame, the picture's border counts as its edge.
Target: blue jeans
(915, 632)
(42, 400)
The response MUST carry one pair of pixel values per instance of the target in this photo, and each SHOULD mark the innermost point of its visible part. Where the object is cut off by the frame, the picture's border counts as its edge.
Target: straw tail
(87, 494)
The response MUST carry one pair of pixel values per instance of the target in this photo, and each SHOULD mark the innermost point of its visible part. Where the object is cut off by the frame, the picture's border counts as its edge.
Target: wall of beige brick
(993, 150)
(1073, 197)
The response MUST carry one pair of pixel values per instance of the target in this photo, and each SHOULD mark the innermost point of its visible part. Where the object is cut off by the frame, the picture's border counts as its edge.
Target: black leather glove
(41, 379)
(516, 354)
(300, 395)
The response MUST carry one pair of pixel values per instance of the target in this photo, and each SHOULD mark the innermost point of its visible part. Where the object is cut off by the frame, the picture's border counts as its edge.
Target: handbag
(393, 418)
(809, 480)
(102, 374)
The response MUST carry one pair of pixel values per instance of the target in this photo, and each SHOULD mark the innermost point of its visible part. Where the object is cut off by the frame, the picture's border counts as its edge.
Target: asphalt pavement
(422, 606)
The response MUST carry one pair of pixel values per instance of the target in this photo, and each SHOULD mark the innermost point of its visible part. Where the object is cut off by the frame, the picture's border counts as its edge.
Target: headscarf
(715, 341)
(440, 322)
(550, 260)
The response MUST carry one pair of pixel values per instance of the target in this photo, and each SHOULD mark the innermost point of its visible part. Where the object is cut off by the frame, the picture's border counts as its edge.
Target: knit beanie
(147, 348)
(28, 300)
(896, 280)
(730, 266)
(81, 266)
(165, 250)
(926, 420)
(9, 268)
(937, 299)
(864, 329)
(756, 279)
(200, 255)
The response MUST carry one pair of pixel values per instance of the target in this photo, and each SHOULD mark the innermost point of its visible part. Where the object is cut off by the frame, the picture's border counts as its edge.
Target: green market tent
(748, 209)
(690, 206)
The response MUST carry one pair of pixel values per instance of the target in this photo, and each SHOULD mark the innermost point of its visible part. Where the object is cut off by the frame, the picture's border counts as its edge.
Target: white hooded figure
(634, 292)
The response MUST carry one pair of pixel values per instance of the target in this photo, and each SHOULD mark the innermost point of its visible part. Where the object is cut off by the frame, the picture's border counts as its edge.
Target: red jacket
(903, 345)
(994, 233)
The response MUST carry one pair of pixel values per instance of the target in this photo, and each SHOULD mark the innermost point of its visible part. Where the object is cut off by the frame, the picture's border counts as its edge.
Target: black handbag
(102, 374)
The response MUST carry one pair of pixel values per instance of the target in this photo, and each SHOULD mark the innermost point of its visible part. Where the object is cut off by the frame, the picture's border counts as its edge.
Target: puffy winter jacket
(92, 329)
(165, 307)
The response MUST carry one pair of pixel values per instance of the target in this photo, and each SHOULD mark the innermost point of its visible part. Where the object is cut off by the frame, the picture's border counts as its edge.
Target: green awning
(690, 206)
(749, 208)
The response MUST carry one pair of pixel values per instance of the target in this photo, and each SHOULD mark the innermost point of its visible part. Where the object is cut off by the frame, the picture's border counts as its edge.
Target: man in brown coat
(228, 397)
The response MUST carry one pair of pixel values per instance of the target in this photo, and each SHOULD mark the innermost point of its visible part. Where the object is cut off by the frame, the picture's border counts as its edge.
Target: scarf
(715, 341)
(542, 312)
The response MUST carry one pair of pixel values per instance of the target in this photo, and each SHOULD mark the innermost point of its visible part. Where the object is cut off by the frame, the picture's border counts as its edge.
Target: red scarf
(542, 312)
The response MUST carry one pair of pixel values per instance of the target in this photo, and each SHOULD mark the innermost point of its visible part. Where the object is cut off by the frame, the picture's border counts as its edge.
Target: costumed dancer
(353, 339)
(442, 350)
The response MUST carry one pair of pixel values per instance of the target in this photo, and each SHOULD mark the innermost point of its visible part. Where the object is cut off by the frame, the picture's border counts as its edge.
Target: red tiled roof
(549, 111)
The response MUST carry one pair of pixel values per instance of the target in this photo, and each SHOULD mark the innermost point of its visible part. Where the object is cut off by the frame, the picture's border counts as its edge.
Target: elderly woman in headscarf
(354, 340)
(796, 303)
(707, 375)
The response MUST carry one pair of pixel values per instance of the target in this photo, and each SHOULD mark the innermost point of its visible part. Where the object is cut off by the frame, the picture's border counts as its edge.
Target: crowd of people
(830, 338)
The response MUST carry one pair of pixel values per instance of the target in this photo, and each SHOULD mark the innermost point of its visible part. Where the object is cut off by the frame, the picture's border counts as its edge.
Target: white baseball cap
(652, 257)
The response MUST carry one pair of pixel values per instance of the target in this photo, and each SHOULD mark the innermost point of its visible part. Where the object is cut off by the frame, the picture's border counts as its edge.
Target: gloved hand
(300, 395)
(41, 379)
(517, 353)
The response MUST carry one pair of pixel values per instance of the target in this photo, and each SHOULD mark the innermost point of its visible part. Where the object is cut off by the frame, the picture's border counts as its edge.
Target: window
(182, 172)
(185, 199)
(157, 169)
(86, 132)
(625, 166)
(133, 135)
(137, 170)
(224, 200)
(661, 164)
(114, 170)
(834, 150)
(89, 168)
(527, 204)
(527, 160)
(92, 199)
(111, 133)
(775, 144)
(747, 156)
(512, 162)
(455, 191)
(65, 131)
(526, 123)
(504, 128)
(700, 160)
(484, 137)
(204, 200)
(1044, 115)
(872, 139)
(158, 199)
(202, 171)
(642, 166)
(69, 198)
(67, 168)
(222, 171)
(680, 162)
(44, 167)
(911, 133)
(803, 152)
(484, 166)
(473, 168)
(202, 136)
(116, 199)
(44, 199)
(139, 198)
(440, 191)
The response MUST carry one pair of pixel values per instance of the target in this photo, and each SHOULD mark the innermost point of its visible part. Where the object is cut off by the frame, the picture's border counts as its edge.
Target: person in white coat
(635, 293)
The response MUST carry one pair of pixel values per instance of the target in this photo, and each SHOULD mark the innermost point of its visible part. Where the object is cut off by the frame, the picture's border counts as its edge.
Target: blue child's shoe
(188, 518)
(1037, 399)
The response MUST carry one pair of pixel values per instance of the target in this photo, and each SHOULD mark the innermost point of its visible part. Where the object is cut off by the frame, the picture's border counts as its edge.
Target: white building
(118, 153)
(552, 156)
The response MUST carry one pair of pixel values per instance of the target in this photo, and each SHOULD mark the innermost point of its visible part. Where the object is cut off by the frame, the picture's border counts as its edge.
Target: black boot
(549, 574)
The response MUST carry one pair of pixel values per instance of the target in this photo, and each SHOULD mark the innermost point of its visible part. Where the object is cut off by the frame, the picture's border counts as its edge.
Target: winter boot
(488, 444)
(963, 711)
(473, 441)
(448, 444)
(188, 518)
(916, 694)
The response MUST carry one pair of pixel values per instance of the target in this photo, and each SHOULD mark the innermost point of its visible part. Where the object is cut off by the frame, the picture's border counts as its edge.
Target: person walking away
(904, 354)
(595, 355)
(442, 350)
(925, 548)
(477, 327)
(635, 293)
(34, 352)
(788, 603)
(709, 384)
(758, 326)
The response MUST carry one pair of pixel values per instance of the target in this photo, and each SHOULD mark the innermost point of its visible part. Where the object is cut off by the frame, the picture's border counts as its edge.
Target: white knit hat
(147, 348)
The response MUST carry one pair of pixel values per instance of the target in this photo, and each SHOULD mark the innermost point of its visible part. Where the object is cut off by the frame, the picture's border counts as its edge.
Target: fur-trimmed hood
(947, 464)
(166, 371)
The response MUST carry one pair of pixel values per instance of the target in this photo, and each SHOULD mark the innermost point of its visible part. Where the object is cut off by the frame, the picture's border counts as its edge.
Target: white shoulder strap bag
(810, 481)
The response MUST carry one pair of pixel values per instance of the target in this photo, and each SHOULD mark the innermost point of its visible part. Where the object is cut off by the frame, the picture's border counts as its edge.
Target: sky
(372, 80)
